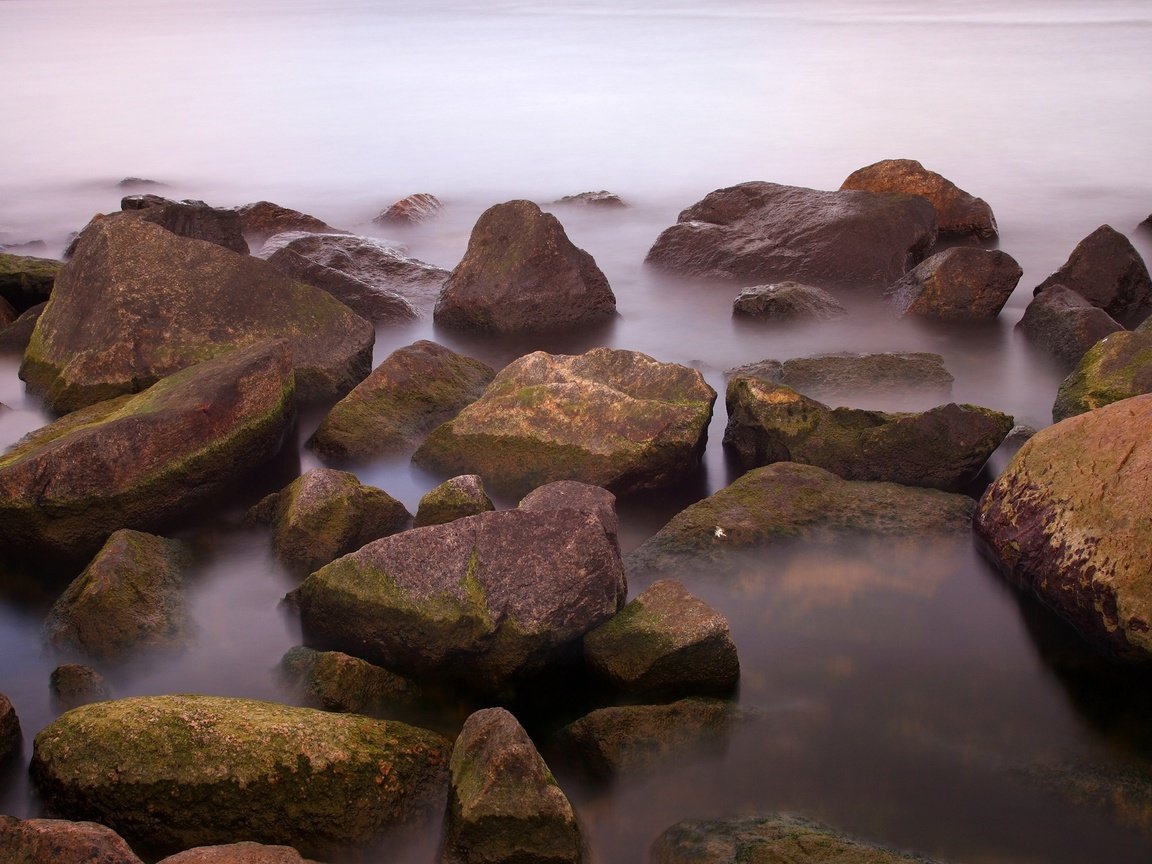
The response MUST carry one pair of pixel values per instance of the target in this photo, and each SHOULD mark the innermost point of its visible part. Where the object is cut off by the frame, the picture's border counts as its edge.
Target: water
(905, 694)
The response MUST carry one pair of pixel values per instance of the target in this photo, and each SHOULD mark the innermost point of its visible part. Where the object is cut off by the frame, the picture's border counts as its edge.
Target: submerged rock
(412, 210)
(603, 198)
(837, 378)
(1107, 271)
(11, 738)
(26, 282)
(1061, 322)
(787, 301)
(74, 684)
(455, 498)
(334, 681)
(57, 841)
(1117, 367)
(262, 219)
(958, 284)
(245, 852)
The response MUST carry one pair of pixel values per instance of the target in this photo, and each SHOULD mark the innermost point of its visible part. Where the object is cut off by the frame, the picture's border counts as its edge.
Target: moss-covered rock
(334, 681)
(129, 596)
(1062, 323)
(1117, 367)
(11, 737)
(455, 498)
(25, 281)
(504, 805)
(245, 852)
(611, 418)
(959, 284)
(172, 772)
(74, 684)
(58, 841)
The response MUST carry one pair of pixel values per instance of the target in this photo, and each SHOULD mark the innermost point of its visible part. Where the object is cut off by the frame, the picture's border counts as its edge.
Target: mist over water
(902, 693)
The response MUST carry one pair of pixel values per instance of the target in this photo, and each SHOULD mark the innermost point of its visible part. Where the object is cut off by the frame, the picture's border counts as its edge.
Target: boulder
(130, 596)
(196, 220)
(413, 391)
(1107, 271)
(1064, 324)
(784, 502)
(1117, 367)
(836, 378)
(245, 852)
(958, 214)
(325, 513)
(137, 303)
(138, 182)
(7, 314)
(765, 232)
(481, 601)
(617, 419)
(603, 198)
(959, 284)
(142, 461)
(1067, 520)
(504, 805)
(142, 201)
(412, 210)
(15, 337)
(521, 273)
(262, 219)
(57, 841)
(375, 304)
(453, 499)
(74, 684)
(334, 681)
(942, 448)
(787, 301)
(172, 772)
(573, 495)
(26, 282)
(664, 644)
(11, 738)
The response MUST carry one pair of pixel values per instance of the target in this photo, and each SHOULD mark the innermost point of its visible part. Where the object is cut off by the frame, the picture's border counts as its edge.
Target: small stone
(334, 681)
(603, 198)
(455, 498)
(412, 210)
(74, 684)
(787, 301)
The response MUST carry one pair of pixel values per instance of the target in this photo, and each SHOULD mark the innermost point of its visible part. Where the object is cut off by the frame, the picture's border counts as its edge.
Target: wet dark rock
(1063, 521)
(142, 461)
(455, 498)
(521, 273)
(664, 644)
(958, 214)
(504, 806)
(57, 841)
(7, 314)
(375, 304)
(1061, 322)
(245, 852)
(573, 495)
(1107, 271)
(481, 601)
(143, 201)
(765, 232)
(611, 418)
(325, 513)
(412, 210)
(334, 681)
(25, 281)
(787, 301)
(1117, 367)
(74, 684)
(130, 596)
(136, 182)
(262, 219)
(137, 303)
(1123, 795)
(196, 220)
(11, 738)
(172, 772)
(958, 284)
(15, 337)
(942, 448)
(603, 198)
(414, 390)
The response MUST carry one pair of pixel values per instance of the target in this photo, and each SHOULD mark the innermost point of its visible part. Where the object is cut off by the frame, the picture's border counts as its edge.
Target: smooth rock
(1061, 322)
(573, 495)
(375, 304)
(15, 337)
(334, 681)
(262, 219)
(411, 210)
(74, 684)
(787, 301)
(57, 841)
(245, 852)
(1117, 367)
(11, 738)
(959, 284)
(1107, 271)
(25, 281)
(455, 498)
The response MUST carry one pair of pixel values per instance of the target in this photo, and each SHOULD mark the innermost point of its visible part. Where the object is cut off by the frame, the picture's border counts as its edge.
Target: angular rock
(26, 282)
(611, 418)
(324, 514)
(414, 390)
(664, 644)
(1117, 367)
(196, 220)
(481, 601)
(375, 304)
(143, 461)
(7, 313)
(521, 273)
(142, 201)
(603, 198)
(765, 232)
(504, 806)
(74, 684)
(1107, 271)
(942, 448)
(137, 303)
(262, 219)
(15, 337)
(1067, 521)
(11, 738)
(245, 852)
(958, 214)
(172, 772)
(412, 210)
(40, 841)
(787, 301)
(959, 284)
(128, 597)
(573, 495)
(1061, 322)
(334, 681)
(455, 498)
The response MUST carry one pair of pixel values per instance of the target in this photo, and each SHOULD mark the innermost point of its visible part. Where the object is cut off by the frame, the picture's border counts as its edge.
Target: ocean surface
(904, 694)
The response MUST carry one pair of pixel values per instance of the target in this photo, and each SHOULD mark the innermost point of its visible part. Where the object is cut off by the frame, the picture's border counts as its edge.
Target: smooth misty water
(901, 692)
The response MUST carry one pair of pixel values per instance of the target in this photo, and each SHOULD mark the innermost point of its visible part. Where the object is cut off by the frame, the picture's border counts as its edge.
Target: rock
(196, 220)
(504, 806)
(765, 232)
(7, 314)
(481, 601)
(137, 182)
(611, 418)
(453, 499)
(245, 852)
(521, 273)
(11, 738)
(1066, 520)
(128, 597)
(137, 303)
(15, 337)
(172, 772)
(334, 681)
(664, 644)
(417, 208)
(784, 502)
(324, 514)
(1122, 795)
(263, 219)
(142, 201)
(1064, 324)
(942, 448)
(573, 495)
(958, 213)
(787, 301)
(143, 461)
(376, 304)
(779, 837)
(40, 841)
(1117, 367)
(1107, 271)
(603, 198)
(959, 284)
(26, 282)
(413, 391)
(73, 684)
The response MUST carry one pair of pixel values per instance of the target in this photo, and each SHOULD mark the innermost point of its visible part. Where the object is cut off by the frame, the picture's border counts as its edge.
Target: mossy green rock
(335, 681)
(1117, 367)
(172, 772)
(26, 281)
(1068, 519)
(136, 303)
(455, 498)
(58, 841)
(611, 418)
(142, 461)
(10, 735)
(941, 448)
(504, 805)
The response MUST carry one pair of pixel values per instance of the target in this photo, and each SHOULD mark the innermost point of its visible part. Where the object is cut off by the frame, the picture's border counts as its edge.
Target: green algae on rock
(455, 498)
(334, 681)
(26, 281)
(1117, 367)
